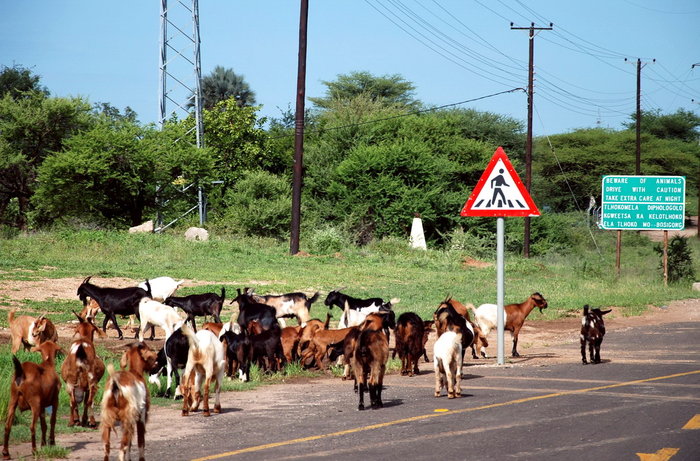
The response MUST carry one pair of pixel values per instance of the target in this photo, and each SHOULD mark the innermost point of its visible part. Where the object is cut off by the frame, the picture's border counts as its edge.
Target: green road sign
(643, 202)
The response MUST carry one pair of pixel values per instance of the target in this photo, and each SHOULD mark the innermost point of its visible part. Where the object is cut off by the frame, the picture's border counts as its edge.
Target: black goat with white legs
(237, 354)
(592, 332)
(172, 356)
(199, 305)
(114, 301)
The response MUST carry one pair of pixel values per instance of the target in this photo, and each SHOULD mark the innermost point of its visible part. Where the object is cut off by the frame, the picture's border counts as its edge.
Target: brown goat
(290, 340)
(410, 331)
(369, 363)
(318, 346)
(90, 310)
(515, 315)
(427, 329)
(308, 330)
(82, 370)
(214, 327)
(126, 400)
(28, 331)
(34, 387)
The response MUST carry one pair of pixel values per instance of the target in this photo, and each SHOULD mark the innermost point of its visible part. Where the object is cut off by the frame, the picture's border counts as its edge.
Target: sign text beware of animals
(500, 192)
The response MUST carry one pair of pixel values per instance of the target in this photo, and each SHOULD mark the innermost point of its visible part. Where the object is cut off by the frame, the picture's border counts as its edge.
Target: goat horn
(79, 317)
(87, 279)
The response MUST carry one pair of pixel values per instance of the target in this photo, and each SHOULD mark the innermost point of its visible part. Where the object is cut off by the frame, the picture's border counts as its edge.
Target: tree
(223, 84)
(387, 89)
(682, 125)
(30, 129)
(110, 174)
(19, 83)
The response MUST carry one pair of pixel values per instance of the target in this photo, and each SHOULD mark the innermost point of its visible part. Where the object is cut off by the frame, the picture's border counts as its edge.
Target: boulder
(145, 227)
(196, 233)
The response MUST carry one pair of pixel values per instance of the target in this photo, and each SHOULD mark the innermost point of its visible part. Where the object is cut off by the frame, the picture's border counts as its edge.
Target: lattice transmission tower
(180, 71)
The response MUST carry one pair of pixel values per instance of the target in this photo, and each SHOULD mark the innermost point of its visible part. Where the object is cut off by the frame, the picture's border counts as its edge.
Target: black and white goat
(592, 332)
(249, 309)
(114, 301)
(171, 357)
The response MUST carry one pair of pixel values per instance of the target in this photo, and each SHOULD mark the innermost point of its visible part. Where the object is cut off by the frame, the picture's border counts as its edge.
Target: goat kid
(155, 314)
(126, 400)
(289, 305)
(34, 387)
(410, 331)
(592, 332)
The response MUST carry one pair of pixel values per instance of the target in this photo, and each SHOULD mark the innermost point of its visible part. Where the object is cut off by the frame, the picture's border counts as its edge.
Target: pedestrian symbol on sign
(500, 192)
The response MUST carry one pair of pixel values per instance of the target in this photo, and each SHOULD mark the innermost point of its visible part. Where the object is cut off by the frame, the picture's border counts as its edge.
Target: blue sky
(108, 51)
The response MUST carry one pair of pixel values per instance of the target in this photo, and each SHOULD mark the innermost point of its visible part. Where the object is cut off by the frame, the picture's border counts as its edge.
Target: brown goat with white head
(126, 400)
(34, 387)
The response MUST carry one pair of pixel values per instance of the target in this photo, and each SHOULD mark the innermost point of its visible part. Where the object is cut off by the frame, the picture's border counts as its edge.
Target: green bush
(326, 240)
(680, 260)
(258, 205)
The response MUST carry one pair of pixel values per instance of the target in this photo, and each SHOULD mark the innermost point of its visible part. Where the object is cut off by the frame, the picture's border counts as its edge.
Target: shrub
(680, 259)
(326, 240)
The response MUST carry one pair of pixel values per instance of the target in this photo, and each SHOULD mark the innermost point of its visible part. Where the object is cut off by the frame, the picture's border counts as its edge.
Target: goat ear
(79, 317)
(606, 312)
(585, 309)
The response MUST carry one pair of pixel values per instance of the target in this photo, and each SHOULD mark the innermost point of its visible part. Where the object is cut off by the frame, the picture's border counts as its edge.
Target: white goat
(162, 287)
(354, 317)
(157, 314)
(447, 362)
(206, 360)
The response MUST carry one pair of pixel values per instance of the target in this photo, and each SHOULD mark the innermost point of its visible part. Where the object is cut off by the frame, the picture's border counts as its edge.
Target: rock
(197, 233)
(696, 286)
(145, 227)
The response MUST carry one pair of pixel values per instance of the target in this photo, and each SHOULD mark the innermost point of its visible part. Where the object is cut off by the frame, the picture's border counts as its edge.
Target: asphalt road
(636, 403)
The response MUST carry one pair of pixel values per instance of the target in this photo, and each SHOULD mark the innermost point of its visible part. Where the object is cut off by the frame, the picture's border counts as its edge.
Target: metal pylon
(180, 91)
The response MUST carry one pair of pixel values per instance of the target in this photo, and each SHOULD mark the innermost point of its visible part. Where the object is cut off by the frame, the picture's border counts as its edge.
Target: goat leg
(141, 434)
(362, 387)
(583, 351)
(8, 424)
(52, 422)
(105, 440)
(205, 405)
(42, 420)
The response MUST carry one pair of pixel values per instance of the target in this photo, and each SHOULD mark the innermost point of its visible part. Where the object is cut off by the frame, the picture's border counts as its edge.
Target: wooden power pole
(528, 143)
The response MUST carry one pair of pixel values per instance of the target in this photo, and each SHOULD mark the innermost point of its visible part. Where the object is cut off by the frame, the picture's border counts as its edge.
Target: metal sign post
(500, 287)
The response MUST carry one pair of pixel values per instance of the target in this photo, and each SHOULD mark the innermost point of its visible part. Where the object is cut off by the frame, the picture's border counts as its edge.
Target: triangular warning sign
(500, 192)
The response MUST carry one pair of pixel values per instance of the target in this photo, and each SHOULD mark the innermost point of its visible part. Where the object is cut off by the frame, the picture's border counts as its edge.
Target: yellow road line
(694, 423)
(435, 415)
(662, 455)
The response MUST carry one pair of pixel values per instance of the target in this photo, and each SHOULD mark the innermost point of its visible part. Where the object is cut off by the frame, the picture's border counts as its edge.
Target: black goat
(336, 298)
(199, 305)
(266, 349)
(592, 332)
(237, 354)
(114, 301)
(249, 309)
(172, 356)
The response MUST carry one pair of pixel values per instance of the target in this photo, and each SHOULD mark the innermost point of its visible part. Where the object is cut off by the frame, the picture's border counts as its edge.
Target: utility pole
(638, 161)
(299, 131)
(698, 222)
(528, 143)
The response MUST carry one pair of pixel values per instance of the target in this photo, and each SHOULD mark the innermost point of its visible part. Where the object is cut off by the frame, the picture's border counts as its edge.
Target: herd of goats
(258, 336)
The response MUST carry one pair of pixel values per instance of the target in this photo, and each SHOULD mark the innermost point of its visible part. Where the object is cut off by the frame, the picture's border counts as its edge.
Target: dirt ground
(540, 344)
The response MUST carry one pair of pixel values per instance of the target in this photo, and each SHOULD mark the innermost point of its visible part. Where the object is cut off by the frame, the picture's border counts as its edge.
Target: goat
(480, 340)
(289, 305)
(249, 309)
(266, 347)
(237, 354)
(374, 321)
(126, 400)
(113, 301)
(308, 330)
(82, 370)
(156, 314)
(410, 331)
(28, 331)
(161, 287)
(447, 319)
(90, 310)
(205, 361)
(447, 361)
(34, 387)
(369, 364)
(427, 329)
(172, 356)
(592, 332)
(515, 315)
(336, 298)
(199, 305)
(214, 327)
(290, 342)
(320, 343)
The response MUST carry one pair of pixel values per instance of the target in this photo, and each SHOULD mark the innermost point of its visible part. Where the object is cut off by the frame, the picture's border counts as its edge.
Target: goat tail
(223, 295)
(191, 338)
(19, 372)
(394, 301)
(311, 300)
(148, 289)
(11, 316)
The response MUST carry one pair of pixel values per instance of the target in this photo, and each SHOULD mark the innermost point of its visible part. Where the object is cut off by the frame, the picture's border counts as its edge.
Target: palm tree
(224, 84)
